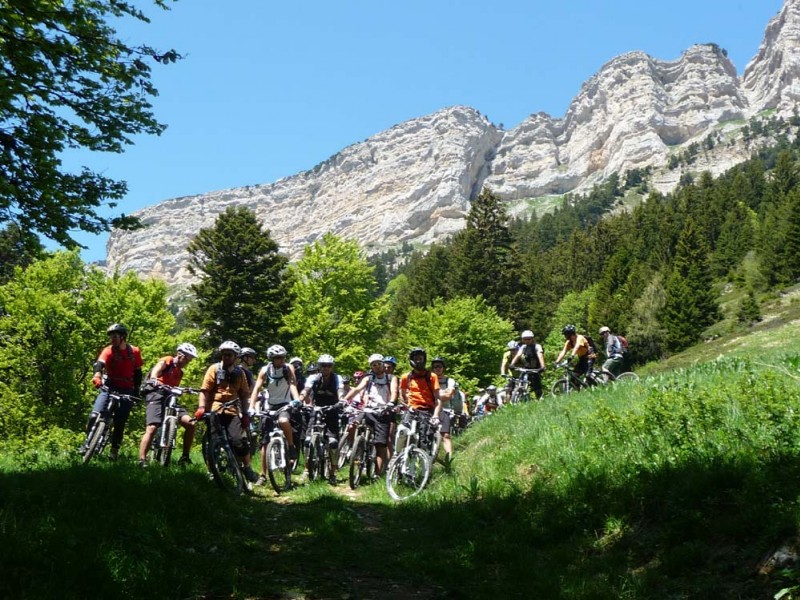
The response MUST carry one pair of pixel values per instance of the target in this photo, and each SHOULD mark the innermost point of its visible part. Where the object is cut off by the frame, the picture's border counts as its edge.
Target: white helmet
(230, 345)
(248, 352)
(325, 359)
(526, 334)
(512, 345)
(296, 359)
(604, 329)
(275, 351)
(187, 349)
(375, 358)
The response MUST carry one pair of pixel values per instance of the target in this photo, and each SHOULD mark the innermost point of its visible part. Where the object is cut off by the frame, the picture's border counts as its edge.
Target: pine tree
(749, 309)
(242, 293)
(691, 304)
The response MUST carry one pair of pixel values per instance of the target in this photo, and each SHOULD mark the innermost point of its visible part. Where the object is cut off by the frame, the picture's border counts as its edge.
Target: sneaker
(143, 463)
(332, 480)
(184, 461)
(261, 481)
(249, 474)
(114, 454)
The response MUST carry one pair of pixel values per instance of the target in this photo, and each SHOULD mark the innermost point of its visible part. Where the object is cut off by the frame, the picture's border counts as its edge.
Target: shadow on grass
(695, 531)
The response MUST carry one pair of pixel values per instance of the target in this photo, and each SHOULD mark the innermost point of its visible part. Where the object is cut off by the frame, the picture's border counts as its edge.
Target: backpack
(624, 342)
(592, 345)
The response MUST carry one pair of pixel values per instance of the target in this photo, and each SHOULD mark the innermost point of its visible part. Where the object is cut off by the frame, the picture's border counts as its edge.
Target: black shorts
(154, 412)
(380, 425)
(268, 424)
(236, 434)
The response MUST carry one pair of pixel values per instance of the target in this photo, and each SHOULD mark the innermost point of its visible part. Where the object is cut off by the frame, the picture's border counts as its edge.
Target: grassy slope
(676, 488)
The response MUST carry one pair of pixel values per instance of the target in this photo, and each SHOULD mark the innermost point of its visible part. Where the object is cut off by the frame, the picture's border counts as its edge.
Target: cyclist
(297, 364)
(247, 358)
(168, 371)
(614, 351)
(448, 396)
(505, 363)
(326, 388)
(390, 363)
(380, 391)
(489, 402)
(225, 381)
(122, 364)
(419, 388)
(578, 346)
(279, 381)
(532, 356)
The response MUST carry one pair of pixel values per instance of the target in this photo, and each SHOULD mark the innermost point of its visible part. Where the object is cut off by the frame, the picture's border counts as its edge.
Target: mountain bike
(521, 392)
(279, 463)
(317, 457)
(218, 453)
(572, 382)
(410, 469)
(345, 439)
(164, 441)
(365, 455)
(100, 432)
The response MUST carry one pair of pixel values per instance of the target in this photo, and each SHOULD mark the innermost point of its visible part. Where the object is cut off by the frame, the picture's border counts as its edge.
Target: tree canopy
(67, 81)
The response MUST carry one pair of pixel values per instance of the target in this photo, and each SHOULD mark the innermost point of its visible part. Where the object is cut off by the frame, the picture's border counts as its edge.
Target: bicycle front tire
(96, 442)
(408, 474)
(164, 454)
(225, 468)
(357, 462)
(561, 387)
(279, 468)
(628, 376)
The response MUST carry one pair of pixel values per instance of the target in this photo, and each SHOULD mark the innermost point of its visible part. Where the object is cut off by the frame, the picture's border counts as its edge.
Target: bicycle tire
(628, 376)
(408, 474)
(312, 459)
(164, 454)
(371, 459)
(279, 468)
(561, 387)
(436, 444)
(344, 450)
(357, 462)
(97, 439)
(225, 468)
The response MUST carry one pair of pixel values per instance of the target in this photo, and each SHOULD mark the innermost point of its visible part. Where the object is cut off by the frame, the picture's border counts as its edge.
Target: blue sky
(269, 89)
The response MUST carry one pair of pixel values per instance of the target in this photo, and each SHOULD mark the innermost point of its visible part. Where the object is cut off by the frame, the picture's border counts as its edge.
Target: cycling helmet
(358, 376)
(275, 351)
(569, 329)
(604, 329)
(512, 345)
(346, 379)
(390, 360)
(438, 359)
(526, 334)
(230, 345)
(312, 368)
(188, 350)
(117, 328)
(375, 358)
(325, 359)
(296, 359)
(491, 389)
(247, 352)
(415, 352)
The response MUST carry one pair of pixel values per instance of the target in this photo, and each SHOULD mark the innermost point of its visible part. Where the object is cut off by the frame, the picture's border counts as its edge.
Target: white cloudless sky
(268, 89)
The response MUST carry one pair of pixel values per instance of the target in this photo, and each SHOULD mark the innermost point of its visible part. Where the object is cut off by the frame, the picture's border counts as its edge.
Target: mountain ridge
(413, 182)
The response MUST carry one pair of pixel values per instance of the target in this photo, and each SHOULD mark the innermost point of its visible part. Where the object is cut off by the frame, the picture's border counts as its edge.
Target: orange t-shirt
(581, 342)
(421, 393)
(228, 386)
(172, 374)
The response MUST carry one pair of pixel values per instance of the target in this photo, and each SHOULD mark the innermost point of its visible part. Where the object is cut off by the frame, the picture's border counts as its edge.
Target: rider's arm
(306, 393)
(446, 394)
(540, 352)
(353, 391)
(393, 391)
(504, 362)
(438, 410)
(259, 384)
(404, 391)
(293, 384)
(517, 357)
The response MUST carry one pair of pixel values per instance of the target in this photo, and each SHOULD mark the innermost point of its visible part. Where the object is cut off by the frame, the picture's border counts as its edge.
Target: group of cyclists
(283, 387)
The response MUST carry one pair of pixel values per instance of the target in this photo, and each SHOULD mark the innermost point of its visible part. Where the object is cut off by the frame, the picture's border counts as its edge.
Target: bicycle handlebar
(119, 396)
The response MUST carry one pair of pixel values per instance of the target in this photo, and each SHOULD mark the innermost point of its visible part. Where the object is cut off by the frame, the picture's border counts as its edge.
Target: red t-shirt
(172, 373)
(120, 365)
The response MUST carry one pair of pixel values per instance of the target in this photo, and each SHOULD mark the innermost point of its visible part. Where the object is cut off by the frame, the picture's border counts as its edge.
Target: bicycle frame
(104, 424)
(217, 448)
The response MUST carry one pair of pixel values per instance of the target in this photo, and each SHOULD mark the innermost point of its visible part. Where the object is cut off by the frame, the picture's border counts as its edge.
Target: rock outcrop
(414, 182)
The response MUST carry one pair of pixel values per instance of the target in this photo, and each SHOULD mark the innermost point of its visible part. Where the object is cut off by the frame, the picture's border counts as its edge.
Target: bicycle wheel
(278, 467)
(164, 454)
(561, 386)
(345, 449)
(629, 376)
(357, 461)
(225, 468)
(371, 461)
(312, 459)
(96, 441)
(408, 474)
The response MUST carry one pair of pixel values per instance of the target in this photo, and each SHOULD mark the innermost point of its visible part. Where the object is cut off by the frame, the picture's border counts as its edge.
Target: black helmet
(312, 368)
(117, 328)
(439, 359)
(568, 329)
(416, 352)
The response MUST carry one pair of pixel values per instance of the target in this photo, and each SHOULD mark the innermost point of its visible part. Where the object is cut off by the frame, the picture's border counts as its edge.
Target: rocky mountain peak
(414, 181)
